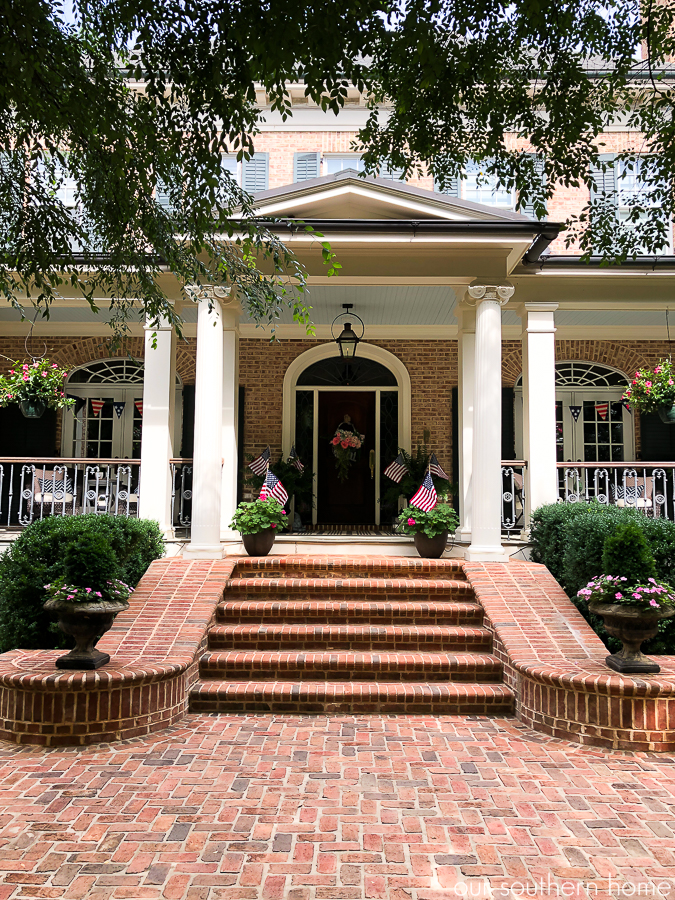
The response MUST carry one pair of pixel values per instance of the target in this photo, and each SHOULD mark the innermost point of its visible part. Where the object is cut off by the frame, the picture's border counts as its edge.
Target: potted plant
(87, 598)
(416, 466)
(258, 523)
(653, 390)
(430, 529)
(34, 387)
(629, 599)
(297, 481)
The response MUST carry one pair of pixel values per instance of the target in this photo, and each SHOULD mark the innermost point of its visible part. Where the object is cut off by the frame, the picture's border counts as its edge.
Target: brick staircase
(313, 635)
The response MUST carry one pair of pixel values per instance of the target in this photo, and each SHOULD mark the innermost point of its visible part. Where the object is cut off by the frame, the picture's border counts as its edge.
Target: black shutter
(188, 429)
(527, 209)
(456, 437)
(508, 424)
(241, 421)
(605, 181)
(255, 173)
(657, 439)
(306, 166)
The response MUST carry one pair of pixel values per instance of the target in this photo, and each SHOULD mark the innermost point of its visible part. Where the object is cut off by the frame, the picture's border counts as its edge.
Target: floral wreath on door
(346, 443)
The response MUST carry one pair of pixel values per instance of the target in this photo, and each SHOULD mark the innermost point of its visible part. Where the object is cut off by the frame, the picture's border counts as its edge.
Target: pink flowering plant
(39, 380)
(114, 590)
(616, 589)
(345, 444)
(652, 389)
(438, 520)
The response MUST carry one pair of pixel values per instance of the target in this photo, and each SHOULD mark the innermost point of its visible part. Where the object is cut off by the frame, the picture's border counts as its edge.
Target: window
(480, 187)
(229, 164)
(333, 164)
(623, 184)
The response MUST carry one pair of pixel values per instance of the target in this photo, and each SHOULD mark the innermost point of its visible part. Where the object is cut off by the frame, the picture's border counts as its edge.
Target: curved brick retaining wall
(554, 663)
(154, 645)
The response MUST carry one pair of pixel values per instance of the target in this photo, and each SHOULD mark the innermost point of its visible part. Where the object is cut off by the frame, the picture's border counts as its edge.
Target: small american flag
(436, 469)
(260, 463)
(273, 488)
(294, 460)
(602, 409)
(397, 469)
(425, 498)
(97, 406)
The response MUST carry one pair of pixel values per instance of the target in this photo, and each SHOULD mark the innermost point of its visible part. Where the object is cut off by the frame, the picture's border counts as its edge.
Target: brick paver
(334, 808)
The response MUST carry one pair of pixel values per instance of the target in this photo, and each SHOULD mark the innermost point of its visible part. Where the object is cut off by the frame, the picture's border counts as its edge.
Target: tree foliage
(132, 94)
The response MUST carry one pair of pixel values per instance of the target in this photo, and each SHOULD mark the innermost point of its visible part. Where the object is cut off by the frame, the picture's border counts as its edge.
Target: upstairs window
(477, 186)
(333, 164)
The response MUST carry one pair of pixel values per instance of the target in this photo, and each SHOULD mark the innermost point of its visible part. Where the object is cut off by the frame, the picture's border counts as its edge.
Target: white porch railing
(647, 486)
(31, 489)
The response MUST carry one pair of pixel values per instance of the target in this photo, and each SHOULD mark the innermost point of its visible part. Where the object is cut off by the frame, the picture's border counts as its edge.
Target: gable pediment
(347, 195)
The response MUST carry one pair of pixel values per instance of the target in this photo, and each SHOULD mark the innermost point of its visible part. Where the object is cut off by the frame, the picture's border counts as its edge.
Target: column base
(495, 553)
(203, 551)
(463, 535)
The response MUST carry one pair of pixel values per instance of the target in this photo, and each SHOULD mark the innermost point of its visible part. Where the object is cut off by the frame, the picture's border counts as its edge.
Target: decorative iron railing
(181, 492)
(514, 485)
(33, 489)
(645, 486)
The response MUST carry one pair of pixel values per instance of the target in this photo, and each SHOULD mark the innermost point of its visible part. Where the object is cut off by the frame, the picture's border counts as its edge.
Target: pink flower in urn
(411, 521)
(619, 595)
(54, 366)
(658, 370)
(273, 525)
(670, 381)
(653, 603)
(648, 384)
(26, 378)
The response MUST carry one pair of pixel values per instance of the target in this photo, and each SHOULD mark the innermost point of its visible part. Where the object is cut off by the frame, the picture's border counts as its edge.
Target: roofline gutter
(599, 262)
(410, 226)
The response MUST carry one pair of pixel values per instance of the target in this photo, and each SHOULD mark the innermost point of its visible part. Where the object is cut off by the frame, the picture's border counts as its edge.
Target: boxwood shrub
(569, 539)
(37, 557)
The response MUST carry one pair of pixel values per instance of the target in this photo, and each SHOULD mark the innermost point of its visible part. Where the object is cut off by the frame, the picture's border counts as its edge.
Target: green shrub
(38, 557)
(90, 561)
(549, 531)
(626, 553)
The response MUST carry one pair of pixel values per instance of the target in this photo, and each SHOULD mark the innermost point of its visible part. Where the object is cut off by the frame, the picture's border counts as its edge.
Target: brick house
(484, 335)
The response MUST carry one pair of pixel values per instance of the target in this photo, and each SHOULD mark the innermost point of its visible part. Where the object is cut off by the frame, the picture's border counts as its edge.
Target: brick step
(234, 665)
(351, 611)
(271, 636)
(351, 697)
(356, 567)
(344, 589)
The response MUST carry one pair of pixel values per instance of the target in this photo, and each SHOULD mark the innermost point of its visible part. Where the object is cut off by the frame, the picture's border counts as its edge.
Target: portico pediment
(348, 195)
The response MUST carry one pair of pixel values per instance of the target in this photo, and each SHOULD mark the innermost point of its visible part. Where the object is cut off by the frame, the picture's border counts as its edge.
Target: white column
(466, 316)
(159, 401)
(230, 411)
(486, 541)
(539, 425)
(207, 453)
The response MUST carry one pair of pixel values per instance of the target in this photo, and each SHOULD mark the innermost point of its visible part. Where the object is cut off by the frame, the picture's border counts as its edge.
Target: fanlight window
(348, 373)
(109, 371)
(577, 375)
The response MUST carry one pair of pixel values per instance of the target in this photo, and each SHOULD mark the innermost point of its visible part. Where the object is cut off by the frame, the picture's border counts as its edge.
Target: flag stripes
(396, 469)
(260, 463)
(425, 497)
(273, 488)
(436, 469)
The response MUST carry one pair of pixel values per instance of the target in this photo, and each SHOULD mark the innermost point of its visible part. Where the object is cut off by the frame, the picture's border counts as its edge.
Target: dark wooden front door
(351, 501)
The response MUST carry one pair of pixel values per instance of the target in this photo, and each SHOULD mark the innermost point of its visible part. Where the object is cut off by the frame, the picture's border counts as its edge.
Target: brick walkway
(302, 808)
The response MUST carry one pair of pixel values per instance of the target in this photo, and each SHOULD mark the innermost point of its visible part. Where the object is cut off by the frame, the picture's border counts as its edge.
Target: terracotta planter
(32, 409)
(631, 626)
(260, 543)
(86, 622)
(667, 414)
(431, 548)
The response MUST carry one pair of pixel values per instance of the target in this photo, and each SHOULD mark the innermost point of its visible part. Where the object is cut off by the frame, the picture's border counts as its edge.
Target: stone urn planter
(667, 414)
(631, 626)
(86, 622)
(32, 409)
(260, 543)
(430, 548)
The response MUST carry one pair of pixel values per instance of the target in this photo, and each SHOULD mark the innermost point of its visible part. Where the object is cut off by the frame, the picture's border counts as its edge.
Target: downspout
(540, 243)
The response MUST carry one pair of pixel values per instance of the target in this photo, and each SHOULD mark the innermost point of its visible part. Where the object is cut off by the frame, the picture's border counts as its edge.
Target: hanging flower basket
(34, 387)
(653, 391)
(346, 443)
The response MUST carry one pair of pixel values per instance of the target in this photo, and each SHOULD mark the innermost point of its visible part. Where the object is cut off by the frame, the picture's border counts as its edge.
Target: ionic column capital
(499, 293)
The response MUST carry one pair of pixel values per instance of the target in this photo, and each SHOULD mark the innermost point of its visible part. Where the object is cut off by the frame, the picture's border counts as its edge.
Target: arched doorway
(107, 420)
(321, 391)
(592, 424)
